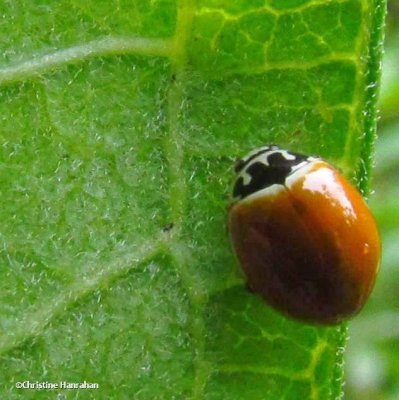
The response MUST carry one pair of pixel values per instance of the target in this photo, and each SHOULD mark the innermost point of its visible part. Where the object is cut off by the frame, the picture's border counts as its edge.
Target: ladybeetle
(306, 240)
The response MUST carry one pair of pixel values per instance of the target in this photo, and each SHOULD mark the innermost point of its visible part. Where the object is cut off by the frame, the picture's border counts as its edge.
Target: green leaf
(389, 102)
(120, 123)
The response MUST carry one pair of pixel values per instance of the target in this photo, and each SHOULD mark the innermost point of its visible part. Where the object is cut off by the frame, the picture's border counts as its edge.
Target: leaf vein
(100, 47)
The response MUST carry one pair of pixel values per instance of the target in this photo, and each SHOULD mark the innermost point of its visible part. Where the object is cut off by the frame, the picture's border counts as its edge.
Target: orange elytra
(304, 236)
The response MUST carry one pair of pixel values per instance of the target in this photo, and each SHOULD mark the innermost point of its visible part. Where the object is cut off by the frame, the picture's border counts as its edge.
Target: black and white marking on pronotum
(264, 167)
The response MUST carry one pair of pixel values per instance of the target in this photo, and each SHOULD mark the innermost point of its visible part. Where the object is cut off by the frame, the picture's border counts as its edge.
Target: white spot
(270, 191)
(299, 170)
(253, 152)
(246, 178)
(286, 154)
(263, 159)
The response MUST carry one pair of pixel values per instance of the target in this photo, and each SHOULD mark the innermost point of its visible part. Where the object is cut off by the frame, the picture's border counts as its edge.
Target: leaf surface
(120, 123)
